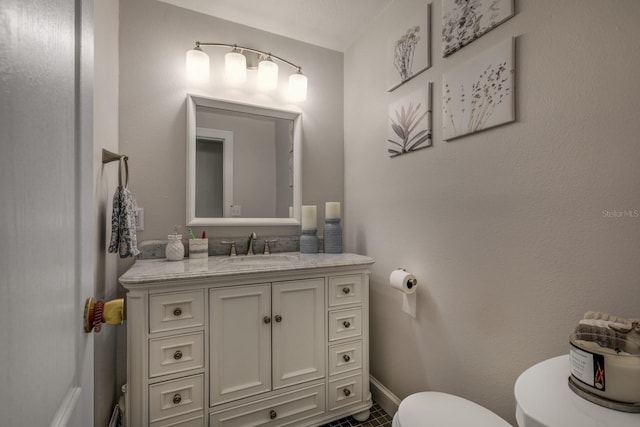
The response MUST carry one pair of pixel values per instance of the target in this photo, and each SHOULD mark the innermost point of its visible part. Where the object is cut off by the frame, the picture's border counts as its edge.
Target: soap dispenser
(175, 249)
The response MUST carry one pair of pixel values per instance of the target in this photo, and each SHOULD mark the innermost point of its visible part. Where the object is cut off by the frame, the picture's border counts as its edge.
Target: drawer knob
(177, 398)
(346, 290)
(177, 312)
(346, 357)
(346, 392)
(273, 414)
(278, 318)
(177, 355)
(266, 319)
(346, 324)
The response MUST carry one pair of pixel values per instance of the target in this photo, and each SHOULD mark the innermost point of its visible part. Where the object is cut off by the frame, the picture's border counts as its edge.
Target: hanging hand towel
(115, 222)
(128, 239)
(123, 220)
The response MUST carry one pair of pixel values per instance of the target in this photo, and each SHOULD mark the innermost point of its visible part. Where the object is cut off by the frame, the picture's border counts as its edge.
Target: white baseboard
(383, 396)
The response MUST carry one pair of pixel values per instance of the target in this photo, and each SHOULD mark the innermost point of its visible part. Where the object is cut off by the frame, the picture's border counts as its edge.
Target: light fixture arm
(259, 52)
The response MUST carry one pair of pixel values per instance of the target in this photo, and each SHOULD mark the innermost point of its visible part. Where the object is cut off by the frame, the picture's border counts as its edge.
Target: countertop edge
(205, 269)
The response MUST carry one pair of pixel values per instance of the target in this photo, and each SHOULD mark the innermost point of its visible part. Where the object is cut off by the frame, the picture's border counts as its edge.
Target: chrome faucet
(252, 237)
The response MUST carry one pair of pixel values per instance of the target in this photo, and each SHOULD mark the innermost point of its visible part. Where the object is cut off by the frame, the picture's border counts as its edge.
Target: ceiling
(333, 24)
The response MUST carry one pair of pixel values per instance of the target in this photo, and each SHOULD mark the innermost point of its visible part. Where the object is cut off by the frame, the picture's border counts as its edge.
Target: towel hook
(108, 156)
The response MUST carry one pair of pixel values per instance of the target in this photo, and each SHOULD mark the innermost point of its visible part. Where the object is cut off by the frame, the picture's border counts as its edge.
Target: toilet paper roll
(403, 281)
(407, 283)
(409, 304)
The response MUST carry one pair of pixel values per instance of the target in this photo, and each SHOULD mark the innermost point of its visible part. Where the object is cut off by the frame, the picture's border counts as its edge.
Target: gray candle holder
(332, 236)
(309, 241)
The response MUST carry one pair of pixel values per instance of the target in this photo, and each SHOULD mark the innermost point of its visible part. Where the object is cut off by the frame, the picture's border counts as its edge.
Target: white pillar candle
(309, 217)
(621, 370)
(332, 210)
(290, 211)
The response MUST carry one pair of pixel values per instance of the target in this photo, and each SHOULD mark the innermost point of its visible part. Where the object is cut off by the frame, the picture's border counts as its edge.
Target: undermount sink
(262, 260)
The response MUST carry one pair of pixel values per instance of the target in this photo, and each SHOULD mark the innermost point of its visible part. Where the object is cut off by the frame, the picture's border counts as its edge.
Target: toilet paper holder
(411, 282)
(407, 283)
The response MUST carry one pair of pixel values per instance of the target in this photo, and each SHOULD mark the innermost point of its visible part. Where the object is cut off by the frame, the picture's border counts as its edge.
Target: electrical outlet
(236, 210)
(140, 219)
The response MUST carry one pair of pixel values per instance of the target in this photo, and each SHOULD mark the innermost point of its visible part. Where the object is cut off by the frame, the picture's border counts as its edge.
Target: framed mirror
(243, 164)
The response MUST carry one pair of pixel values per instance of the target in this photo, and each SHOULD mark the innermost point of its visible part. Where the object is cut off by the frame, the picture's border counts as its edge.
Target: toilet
(434, 409)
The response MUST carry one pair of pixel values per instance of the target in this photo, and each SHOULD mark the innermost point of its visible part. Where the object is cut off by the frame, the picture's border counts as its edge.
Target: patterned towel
(123, 224)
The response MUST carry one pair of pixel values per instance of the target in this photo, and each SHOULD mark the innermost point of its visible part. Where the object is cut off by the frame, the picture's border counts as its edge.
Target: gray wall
(105, 135)
(209, 177)
(254, 159)
(505, 229)
(154, 38)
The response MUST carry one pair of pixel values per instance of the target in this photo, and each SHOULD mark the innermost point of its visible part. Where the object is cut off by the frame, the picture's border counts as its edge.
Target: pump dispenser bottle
(175, 249)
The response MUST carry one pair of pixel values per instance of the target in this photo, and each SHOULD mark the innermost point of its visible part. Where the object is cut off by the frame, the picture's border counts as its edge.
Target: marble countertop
(161, 270)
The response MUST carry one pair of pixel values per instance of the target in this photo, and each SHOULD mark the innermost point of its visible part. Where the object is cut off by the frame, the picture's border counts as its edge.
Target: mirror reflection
(242, 166)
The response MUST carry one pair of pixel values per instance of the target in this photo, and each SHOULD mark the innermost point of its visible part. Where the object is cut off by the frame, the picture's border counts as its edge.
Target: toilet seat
(434, 409)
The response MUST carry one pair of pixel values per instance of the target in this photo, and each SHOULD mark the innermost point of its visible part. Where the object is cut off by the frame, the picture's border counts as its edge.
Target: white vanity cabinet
(213, 343)
(265, 337)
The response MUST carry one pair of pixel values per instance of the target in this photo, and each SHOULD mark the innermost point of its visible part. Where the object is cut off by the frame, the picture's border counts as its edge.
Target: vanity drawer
(274, 411)
(188, 421)
(176, 354)
(345, 324)
(176, 310)
(345, 357)
(345, 290)
(345, 391)
(178, 397)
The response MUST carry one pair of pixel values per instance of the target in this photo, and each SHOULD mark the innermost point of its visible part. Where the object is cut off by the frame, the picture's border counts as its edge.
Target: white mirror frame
(195, 100)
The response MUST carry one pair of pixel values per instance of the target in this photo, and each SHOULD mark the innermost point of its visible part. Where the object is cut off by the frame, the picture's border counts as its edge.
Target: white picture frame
(410, 127)
(409, 49)
(465, 21)
(479, 93)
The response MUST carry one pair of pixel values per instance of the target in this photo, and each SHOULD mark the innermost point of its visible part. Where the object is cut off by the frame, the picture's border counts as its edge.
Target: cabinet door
(240, 342)
(298, 331)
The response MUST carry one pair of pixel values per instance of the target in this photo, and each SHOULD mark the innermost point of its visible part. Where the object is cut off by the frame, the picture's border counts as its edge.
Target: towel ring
(109, 156)
(125, 160)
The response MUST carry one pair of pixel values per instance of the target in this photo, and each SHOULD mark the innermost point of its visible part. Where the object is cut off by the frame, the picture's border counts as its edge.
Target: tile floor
(378, 418)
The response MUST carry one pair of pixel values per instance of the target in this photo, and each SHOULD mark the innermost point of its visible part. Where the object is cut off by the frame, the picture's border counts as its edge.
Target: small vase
(332, 236)
(309, 242)
(175, 249)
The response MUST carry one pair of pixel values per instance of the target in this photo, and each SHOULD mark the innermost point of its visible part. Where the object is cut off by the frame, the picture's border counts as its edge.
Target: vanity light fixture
(236, 65)
(267, 74)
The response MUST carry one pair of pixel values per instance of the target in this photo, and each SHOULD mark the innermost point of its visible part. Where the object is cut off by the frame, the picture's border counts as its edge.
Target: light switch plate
(140, 219)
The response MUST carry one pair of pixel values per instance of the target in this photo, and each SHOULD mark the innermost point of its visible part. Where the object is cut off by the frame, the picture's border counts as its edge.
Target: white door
(240, 342)
(46, 261)
(298, 328)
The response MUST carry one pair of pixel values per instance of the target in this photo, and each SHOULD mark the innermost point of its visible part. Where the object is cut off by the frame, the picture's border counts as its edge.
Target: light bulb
(235, 67)
(267, 75)
(297, 87)
(197, 66)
